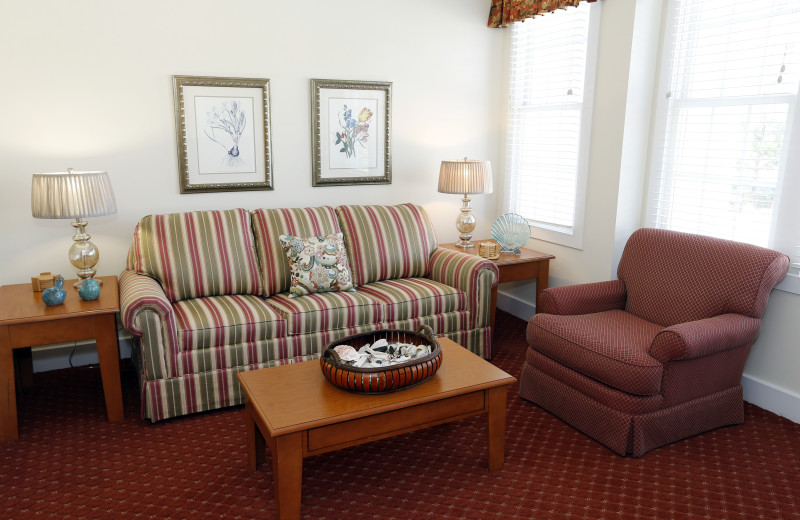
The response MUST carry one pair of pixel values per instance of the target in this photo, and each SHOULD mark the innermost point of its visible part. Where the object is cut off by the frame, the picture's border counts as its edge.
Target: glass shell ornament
(55, 295)
(511, 231)
(89, 290)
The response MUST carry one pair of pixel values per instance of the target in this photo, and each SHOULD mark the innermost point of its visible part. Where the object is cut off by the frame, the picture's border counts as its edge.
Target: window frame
(784, 233)
(543, 231)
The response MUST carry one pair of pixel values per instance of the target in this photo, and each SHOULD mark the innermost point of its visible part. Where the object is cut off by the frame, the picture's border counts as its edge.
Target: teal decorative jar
(55, 295)
(89, 290)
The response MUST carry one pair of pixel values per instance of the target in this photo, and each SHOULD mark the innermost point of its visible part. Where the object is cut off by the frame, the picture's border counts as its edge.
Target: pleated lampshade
(72, 195)
(465, 177)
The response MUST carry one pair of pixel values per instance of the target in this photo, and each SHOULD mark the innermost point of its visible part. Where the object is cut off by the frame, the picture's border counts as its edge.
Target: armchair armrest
(585, 298)
(472, 274)
(700, 338)
(146, 312)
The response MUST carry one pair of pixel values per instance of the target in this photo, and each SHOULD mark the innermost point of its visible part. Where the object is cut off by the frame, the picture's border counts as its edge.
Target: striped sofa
(205, 295)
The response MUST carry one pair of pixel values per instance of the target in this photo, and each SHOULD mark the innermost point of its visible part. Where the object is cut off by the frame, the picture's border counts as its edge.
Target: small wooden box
(489, 250)
(43, 281)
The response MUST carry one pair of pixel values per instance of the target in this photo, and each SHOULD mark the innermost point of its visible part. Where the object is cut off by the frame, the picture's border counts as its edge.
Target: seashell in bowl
(380, 379)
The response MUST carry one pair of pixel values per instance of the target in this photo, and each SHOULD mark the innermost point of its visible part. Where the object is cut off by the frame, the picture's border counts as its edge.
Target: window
(552, 59)
(723, 160)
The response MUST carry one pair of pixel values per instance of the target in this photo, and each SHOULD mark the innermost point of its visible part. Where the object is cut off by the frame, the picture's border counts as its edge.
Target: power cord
(74, 349)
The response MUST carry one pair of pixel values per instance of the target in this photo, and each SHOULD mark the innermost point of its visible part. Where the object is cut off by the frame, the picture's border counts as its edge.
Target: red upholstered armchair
(657, 355)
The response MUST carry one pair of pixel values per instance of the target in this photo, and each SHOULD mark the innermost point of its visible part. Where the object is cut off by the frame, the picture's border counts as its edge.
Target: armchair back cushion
(387, 242)
(672, 277)
(192, 255)
(269, 224)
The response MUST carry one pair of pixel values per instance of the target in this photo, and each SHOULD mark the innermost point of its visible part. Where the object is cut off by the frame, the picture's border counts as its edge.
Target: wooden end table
(529, 265)
(298, 413)
(25, 321)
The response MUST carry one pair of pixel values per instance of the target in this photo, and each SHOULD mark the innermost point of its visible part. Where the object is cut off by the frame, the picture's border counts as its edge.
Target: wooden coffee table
(299, 413)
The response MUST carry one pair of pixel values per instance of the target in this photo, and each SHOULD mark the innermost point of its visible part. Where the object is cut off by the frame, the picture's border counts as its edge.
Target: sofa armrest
(585, 298)
(146, 312)
(700, 338)
(472, 274)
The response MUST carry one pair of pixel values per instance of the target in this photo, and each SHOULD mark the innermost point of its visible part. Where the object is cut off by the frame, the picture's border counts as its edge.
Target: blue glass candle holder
(89, 290)
(55, 295)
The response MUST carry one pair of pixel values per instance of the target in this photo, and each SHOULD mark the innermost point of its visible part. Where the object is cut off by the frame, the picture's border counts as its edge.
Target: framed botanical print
(223, 127)
(351, 132)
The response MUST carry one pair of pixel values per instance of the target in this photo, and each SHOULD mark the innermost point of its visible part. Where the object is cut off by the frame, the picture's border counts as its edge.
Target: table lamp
(75, 195)
(467, 177)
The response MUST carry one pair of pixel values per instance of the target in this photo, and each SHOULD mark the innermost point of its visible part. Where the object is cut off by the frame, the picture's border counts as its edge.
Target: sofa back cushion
(387, 242)
(672, 277)
(204, 253)
(270, 224)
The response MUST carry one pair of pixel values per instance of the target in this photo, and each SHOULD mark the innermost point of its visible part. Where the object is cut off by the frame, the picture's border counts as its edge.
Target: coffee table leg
(287, 474)
(497, 426)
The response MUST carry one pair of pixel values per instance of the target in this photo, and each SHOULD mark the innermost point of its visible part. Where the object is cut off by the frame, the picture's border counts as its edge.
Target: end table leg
(105, 330)
(287, 474)
(497, 426)
(8, 401)
(23, 363)
(542, 280)
(256, 452)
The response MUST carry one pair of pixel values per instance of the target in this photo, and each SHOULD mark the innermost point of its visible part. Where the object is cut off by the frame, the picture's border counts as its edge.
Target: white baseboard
(771, 397)
(55, 357)
(761, 393)
(522, 309)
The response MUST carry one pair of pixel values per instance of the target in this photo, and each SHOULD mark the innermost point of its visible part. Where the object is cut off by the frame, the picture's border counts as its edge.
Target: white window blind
(722, 158)
(551, 60)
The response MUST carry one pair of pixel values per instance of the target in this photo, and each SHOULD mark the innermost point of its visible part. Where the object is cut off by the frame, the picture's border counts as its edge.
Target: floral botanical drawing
(353, 130)
(226, 123)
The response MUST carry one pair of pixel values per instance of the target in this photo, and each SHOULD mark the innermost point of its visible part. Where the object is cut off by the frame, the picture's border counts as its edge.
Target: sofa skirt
(219, 388)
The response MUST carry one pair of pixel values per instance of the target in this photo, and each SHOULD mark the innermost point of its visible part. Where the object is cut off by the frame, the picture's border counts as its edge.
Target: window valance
(504, 12)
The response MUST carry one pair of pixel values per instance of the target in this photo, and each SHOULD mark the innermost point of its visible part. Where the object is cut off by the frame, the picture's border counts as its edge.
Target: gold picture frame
(223, 130)
(351, 125)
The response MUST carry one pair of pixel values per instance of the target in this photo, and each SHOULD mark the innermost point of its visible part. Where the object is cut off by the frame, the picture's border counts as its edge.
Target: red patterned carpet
(70, 463)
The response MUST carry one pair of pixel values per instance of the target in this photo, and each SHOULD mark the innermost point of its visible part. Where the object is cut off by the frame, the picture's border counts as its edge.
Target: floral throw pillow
(317, 264)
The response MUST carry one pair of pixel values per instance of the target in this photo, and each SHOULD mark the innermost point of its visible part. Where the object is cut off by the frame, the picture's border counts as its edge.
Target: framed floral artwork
(351, 132)
(223, 127)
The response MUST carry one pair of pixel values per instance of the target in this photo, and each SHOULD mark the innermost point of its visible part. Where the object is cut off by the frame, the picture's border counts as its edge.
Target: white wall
(87, 84)
(627, 64)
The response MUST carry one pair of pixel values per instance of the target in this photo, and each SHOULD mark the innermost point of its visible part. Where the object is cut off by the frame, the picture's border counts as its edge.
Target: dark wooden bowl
(375, 380)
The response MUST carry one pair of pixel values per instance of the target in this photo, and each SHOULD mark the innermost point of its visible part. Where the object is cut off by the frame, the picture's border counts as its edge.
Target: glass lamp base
(83, 254)
(465, 224)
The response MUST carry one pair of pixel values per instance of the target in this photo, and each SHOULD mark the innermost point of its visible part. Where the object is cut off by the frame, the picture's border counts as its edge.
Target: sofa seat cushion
(415, 297)
(326, 311)
(225, 320)
(445, 323)
(611, 347)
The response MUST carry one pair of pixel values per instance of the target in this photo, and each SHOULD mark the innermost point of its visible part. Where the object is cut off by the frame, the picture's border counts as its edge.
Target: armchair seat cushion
(600, 392)
(326, 311)
(415, 297)
(609, 346)
(219, 321)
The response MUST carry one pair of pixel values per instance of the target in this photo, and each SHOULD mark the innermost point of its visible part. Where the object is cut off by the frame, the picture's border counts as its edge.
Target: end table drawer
(385, 424)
